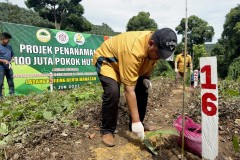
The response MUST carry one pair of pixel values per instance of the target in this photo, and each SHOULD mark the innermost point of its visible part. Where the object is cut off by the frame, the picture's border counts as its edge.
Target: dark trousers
(9, 75)
(110, 100)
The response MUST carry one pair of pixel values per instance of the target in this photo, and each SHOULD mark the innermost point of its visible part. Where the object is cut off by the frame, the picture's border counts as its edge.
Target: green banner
(49, 58)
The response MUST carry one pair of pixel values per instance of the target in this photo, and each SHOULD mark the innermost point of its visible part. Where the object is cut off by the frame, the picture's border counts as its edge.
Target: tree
(198, 31)
(179, 48)
(199, 50)
(163, 68)
(14, 14)
(228, 47)
(222, 63)
(141, 22)
(218, 49)
(231, 33)
(103, 29)
(66, 14)
(234, 69)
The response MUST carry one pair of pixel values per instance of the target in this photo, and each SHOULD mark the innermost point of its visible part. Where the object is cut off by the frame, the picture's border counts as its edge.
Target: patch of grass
(19, 112)
(229, 88)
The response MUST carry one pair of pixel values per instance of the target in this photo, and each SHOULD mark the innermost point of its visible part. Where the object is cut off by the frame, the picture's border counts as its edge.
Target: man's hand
(147, 83)
(10, 66)
(4, 61)
(138, 129)
(191, 71)
(176, 70)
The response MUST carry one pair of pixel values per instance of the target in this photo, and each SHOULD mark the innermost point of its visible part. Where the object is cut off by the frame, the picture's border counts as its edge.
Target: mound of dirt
(54, 140)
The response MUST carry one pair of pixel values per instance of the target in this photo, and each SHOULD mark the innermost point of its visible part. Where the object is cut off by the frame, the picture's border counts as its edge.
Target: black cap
(5, 35)
(166, 41)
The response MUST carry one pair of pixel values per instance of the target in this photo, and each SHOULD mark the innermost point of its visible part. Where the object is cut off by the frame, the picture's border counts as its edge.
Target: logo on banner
(43, 35)
(62, 37)
(79, 39)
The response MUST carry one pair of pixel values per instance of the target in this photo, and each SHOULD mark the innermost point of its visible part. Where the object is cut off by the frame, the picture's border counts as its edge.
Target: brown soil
(55, 141)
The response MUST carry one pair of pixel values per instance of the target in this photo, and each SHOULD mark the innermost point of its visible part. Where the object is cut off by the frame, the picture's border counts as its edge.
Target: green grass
(19, 112)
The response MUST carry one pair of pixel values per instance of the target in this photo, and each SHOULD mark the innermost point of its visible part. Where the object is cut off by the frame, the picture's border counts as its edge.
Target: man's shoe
(108, 140)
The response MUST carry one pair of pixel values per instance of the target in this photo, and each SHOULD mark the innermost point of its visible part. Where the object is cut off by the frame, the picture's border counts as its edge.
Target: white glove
(147, 83)
(176, 70)
(138, 129)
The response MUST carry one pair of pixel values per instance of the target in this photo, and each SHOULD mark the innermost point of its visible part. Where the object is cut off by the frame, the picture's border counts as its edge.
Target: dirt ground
(55, 141)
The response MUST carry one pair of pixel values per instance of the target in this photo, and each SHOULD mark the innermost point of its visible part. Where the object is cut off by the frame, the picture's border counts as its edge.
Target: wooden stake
(184, 75)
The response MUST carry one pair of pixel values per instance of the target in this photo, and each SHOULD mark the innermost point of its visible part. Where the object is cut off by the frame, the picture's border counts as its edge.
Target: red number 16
(208, 85)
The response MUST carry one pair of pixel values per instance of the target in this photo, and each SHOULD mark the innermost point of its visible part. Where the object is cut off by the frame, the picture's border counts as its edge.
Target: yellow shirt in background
(180, 62)
(124, 57)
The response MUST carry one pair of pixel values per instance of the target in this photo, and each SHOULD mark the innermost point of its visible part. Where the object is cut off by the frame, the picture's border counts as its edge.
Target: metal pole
(184, 69)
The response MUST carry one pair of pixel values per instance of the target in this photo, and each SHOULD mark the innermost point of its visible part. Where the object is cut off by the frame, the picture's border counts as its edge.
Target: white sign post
(195, 74)
(209, 94)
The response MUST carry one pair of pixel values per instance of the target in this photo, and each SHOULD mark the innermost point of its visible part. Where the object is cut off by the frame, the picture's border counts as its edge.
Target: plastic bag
(192, 135)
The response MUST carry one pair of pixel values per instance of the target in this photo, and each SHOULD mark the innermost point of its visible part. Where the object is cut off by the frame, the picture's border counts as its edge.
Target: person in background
(129, 58)
(6, 55)
(179, 64)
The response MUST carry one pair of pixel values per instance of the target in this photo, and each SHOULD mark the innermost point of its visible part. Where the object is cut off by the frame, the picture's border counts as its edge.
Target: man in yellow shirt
(179, 64)
(129, 58)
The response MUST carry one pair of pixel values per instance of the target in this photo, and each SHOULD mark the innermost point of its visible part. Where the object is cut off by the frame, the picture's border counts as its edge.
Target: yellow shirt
(124, 57)
(180, 62)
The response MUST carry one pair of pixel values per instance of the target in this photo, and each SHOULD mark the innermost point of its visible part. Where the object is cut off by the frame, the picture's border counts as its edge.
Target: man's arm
(12, 54)
(191, 65)
(137, 126)
(132, 102)
(176, 64)
(4, 61)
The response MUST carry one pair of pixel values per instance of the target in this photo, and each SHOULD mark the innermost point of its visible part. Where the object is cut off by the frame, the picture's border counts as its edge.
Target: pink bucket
(192, 135)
